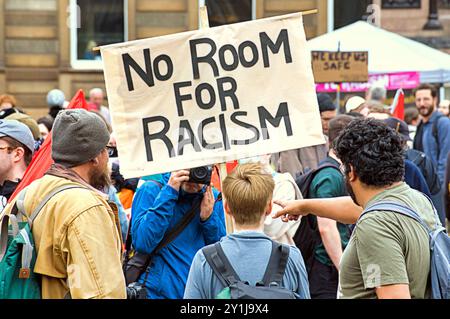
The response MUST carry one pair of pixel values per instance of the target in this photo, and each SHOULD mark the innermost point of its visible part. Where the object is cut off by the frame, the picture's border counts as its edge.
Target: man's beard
(100, 178)
(426, 111)
(350, 191)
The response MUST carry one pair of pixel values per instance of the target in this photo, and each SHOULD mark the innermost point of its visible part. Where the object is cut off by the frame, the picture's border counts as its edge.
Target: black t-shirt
(6, 190)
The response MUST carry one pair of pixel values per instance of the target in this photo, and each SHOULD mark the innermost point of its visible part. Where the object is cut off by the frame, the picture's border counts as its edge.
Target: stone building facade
(45, 44)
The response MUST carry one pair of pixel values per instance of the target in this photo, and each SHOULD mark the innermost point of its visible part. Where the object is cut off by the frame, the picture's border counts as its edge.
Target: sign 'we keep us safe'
(211, 95)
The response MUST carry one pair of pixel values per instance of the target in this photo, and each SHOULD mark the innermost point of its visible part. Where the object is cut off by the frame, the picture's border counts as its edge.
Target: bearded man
(388, 254)
(76, 233)
(432, 136)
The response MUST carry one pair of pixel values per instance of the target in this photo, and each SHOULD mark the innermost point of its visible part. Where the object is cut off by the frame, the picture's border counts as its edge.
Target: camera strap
(172, 234)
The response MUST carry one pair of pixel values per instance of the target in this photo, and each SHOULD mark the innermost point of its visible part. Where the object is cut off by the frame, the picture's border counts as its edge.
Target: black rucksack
(269, 288)
(307, 236)
(427, 168)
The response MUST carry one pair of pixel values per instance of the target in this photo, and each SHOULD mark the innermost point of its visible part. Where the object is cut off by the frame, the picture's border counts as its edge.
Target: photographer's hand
(178, 177)
(207, 204)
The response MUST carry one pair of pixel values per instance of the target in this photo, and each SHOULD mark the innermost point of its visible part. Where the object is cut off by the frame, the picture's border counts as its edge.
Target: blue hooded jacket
(430, 146)
(414, 178)
(154, 212)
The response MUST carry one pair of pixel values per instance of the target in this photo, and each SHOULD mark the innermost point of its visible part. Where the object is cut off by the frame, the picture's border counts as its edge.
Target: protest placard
(211, 95)
(340, 66)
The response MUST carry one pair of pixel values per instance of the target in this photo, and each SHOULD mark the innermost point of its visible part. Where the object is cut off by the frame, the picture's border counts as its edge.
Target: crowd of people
(317, 222)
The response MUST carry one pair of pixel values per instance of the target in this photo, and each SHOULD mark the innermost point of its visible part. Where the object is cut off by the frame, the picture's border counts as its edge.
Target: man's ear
(95, 161)
(226, 207)
(269, 208)
(352, 175)
(19, 154)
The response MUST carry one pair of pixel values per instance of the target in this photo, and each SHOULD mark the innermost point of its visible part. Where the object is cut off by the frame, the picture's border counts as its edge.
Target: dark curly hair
(374, 150)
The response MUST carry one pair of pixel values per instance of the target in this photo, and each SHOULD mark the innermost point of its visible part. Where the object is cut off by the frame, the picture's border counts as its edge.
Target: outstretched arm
(341, 209)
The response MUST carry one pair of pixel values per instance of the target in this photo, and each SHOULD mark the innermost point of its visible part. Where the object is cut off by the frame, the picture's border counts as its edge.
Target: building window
(345, 14)
(444, 4)
(94, 23)
(400, 4)
(222, 12)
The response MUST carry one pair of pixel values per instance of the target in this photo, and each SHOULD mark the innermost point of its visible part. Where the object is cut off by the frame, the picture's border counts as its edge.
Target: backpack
(439, 247)
(17, 250)
(307, 236)
(427, 168)
(270, 286)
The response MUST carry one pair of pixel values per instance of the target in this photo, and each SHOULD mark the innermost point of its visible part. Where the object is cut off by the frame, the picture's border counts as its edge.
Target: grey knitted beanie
(77, 137)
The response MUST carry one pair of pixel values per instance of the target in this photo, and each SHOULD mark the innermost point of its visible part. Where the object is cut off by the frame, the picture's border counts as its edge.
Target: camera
(200, 175)
(136, 290)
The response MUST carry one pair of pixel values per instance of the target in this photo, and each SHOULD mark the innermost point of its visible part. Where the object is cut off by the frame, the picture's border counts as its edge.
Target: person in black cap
(327, 110)
(298, 161)
(400, 127)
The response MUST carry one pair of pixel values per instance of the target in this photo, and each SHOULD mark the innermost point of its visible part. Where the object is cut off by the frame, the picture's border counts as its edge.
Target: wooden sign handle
(222, 175)
(204, 24)
(204, 21)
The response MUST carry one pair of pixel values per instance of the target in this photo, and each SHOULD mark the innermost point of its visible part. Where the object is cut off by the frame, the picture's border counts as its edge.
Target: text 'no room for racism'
(208, 95)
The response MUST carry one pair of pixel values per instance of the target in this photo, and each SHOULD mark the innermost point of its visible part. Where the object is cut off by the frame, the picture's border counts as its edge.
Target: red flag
(42, 160)
(40, 164)
(398, 105)
(78, 101)
(215, 178)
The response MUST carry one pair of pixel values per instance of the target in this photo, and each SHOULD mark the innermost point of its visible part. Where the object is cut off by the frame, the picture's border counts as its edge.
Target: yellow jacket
(78, 242)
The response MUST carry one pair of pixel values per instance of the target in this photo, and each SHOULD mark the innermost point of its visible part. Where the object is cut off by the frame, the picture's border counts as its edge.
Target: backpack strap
(19, 209)
(11, 219)
(304, 180)
(27, 255)
(3, 235)
(47, 198)
(277, 264)
(396, 208)
(220, 264)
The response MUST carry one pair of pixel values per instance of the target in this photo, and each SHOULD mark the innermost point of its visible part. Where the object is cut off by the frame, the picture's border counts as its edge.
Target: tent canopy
(388, 51)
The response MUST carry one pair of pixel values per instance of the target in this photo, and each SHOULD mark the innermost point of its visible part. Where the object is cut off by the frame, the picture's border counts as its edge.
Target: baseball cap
(325, 102)
(353, 103)
(399, 126)
(17, 131)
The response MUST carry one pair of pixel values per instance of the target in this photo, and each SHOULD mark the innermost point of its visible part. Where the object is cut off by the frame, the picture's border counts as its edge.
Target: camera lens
(200, 175)
(201, 172)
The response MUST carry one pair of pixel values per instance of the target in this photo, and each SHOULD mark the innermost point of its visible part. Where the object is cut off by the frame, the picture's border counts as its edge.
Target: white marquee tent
(388, 52)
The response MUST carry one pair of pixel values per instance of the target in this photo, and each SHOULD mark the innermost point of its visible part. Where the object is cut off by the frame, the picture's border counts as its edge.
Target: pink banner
(391, 81)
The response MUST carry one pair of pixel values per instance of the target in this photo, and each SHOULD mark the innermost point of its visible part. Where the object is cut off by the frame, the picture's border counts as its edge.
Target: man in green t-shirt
(327, 183)
(388, 253)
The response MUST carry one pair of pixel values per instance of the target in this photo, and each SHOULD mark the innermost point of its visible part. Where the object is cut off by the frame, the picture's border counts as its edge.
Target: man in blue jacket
(432, 136)
(157, 208)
